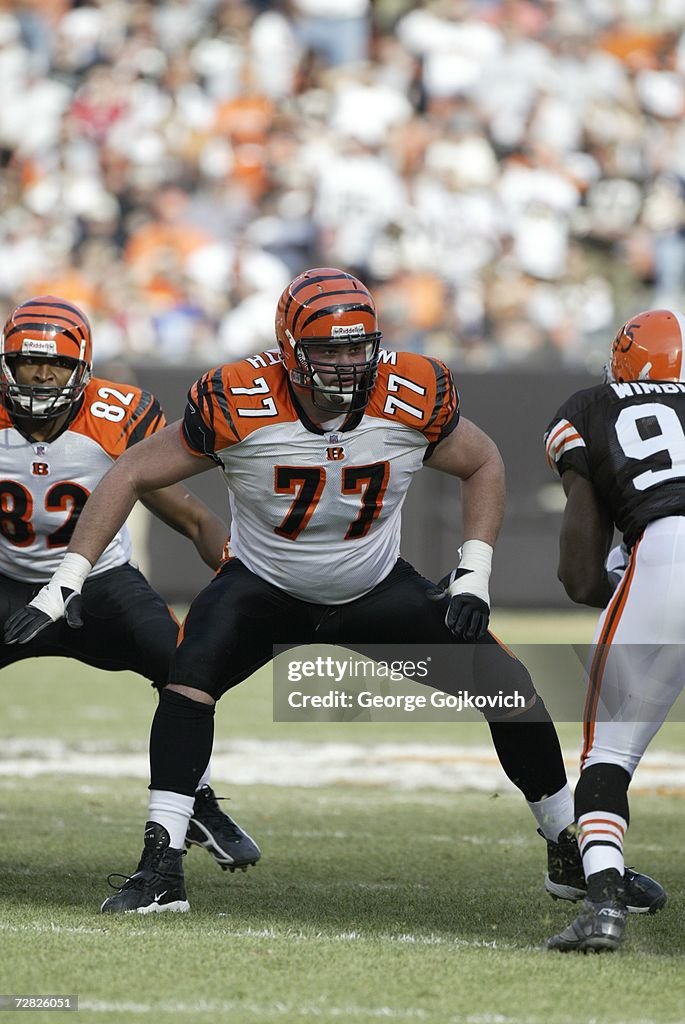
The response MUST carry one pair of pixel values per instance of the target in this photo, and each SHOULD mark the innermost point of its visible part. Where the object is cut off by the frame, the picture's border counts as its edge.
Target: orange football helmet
(649, 346)
(46, 328)
(327, 333)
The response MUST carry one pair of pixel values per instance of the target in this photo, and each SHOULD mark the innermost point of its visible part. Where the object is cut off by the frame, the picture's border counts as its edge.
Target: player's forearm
(583, 574)
(483, 496)
(184, 512)
(468, 453)
(104, 513)
(594, 593)
(584, 543)
(152, 465)
(209, 535)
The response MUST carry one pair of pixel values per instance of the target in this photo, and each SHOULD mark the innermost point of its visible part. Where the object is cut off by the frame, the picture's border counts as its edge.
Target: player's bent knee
(531, 709)
(201, 696)
(507, 686)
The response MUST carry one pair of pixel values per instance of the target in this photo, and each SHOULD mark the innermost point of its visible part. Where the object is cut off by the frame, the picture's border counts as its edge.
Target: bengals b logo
(335, 454)
(40, 469)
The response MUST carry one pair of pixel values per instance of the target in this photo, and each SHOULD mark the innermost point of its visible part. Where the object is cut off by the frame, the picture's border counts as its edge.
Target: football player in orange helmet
(327, 333)
(318, 446)
(649, 346)
(60, 431)
(619, 449)
(44, 338)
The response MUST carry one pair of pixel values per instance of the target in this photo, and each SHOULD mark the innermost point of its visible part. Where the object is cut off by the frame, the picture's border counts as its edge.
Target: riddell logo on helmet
(38, 347)
(353, 331)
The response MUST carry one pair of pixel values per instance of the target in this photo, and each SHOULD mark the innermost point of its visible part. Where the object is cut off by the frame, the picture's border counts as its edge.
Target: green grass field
(372, 902)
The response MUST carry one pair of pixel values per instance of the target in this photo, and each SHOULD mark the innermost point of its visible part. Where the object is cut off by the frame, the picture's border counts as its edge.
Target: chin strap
(334, 395)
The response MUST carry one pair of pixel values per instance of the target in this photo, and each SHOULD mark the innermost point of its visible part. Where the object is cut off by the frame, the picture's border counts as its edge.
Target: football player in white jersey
(61, 429)
(619, 449)
(318, 441)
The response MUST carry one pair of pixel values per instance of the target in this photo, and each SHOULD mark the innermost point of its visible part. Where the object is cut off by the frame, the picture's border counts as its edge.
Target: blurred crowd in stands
(508, 175)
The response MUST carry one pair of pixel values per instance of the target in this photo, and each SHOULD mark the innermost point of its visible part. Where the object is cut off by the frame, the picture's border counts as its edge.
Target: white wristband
(72, 571)
(70, 576)
(476, 557)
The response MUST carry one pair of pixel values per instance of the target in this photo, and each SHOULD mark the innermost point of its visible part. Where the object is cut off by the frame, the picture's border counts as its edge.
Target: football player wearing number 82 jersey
(60, 431)
(318, 442)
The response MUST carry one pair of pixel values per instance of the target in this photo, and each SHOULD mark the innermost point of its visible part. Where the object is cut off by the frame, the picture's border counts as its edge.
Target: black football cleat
(565, 879)
(220, 835)
(600, 925)
(157, 883)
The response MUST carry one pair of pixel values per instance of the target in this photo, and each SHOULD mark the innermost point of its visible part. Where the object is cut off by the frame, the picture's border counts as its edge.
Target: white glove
(60, 598)
(616, 564)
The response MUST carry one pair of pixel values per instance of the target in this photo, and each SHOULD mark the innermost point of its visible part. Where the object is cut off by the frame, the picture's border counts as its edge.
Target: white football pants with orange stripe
(638, 664)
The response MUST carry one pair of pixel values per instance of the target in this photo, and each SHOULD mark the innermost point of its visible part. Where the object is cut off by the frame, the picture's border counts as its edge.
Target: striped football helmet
(327, 333)
(45, 328)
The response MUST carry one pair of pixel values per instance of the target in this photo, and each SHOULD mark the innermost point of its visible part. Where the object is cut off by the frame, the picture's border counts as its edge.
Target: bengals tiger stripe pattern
(47, 318)
(322, 293)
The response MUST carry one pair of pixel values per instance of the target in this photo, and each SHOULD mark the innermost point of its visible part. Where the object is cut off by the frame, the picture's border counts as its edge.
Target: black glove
(28, 622)
(467, 616)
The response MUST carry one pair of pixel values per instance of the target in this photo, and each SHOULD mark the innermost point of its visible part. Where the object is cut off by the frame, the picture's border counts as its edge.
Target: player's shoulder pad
(582, 400)
(231, 401)
(116, 415)
(566, 431)
(416, 391)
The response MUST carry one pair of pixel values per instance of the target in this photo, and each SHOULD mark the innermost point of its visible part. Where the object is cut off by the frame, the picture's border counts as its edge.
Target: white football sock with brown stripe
(600, 838)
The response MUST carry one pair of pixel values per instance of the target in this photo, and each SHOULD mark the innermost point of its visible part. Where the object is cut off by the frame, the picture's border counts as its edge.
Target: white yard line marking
(402, 767)
(318, 1011)
(315, 1010)
(269, 1012)
(290, 935)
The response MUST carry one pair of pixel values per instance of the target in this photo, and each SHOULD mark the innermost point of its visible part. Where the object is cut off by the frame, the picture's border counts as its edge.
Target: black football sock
(528, 750)
(181, 740)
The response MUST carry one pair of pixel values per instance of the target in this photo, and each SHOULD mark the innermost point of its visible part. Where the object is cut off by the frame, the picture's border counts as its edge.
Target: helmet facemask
(337, 386)
(36, 402)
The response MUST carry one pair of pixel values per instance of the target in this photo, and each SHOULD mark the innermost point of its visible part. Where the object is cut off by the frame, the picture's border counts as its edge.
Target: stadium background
(507, 176)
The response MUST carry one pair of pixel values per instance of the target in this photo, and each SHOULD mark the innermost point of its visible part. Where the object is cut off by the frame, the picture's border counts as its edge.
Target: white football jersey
(45, 484)
(316, 512)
